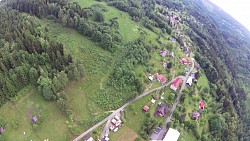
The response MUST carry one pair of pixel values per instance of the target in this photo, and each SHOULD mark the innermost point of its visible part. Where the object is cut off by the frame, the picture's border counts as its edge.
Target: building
(195, 115)
(161, 110)
(172, 135)
(202, 105)
(176, 84)
(1, 130)
(161, 78)
(34, 120)
(171, 54)
(172, 39)
(151, 79)
(184, 61)
(189, 81)
(163, 53)
(89, 138)
(145, 108)
(197, 67)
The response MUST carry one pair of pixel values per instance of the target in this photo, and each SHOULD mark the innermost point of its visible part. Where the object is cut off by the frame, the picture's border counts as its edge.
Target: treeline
(143, 11)
(123, 76)
(27, 56)
(88, 21)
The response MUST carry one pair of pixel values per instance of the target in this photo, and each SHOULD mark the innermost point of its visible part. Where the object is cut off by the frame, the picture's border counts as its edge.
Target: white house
(189, 81)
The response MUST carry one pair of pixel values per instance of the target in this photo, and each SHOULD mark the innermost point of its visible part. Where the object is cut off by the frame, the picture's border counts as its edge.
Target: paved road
(125, 105)
(162, 133)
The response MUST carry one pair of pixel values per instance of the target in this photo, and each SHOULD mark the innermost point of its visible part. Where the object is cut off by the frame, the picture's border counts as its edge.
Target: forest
(28, 57)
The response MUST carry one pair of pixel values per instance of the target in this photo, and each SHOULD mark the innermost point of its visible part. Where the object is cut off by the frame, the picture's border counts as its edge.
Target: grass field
(123, 134)
(52, 127)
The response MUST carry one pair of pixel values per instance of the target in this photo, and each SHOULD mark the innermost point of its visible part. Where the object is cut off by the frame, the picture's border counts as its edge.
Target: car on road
(157, 130)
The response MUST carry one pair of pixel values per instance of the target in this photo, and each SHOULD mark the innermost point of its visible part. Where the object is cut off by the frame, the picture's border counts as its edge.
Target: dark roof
(162, 110)
(34, 119)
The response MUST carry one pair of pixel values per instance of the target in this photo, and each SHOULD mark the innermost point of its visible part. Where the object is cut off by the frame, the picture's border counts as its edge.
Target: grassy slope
(123, 134)
(52, 127)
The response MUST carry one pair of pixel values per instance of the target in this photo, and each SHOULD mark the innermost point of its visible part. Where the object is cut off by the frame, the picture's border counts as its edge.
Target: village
(162, 105)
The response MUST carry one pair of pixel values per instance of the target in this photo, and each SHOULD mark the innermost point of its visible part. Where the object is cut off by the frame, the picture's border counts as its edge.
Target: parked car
(157, 130)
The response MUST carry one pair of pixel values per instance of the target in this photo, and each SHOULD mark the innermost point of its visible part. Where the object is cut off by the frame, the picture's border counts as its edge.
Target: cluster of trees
(123, 75)
(215, 55)
(149, 127)
(27, 56)
(88, 21)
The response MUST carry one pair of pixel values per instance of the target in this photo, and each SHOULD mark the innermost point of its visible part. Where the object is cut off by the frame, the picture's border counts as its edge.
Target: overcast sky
(239, 9)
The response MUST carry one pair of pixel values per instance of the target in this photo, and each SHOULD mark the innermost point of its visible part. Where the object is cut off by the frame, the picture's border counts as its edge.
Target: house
(184, 61)
(176, 84)
(112, 127)
(89, 138)
(145, 108)
(34, 120)
(151, 79)
(172, 135)
(161, 110)
(171, 54)
(113, 121)
(163, 53)
(1, 130)
(165, 64)
(197, 66)
(195, 115)
(161, 78)
(189, 44)
(202, 105)
(117, 117)
(172, 39)
(189, 81)
(153, 101)
(118, 123)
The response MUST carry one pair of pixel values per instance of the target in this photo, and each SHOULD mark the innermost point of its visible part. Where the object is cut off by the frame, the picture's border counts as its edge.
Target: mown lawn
(123, 134)
(52, 126)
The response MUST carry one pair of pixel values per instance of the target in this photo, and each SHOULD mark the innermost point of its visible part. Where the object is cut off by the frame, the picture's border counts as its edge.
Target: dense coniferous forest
(28, 57)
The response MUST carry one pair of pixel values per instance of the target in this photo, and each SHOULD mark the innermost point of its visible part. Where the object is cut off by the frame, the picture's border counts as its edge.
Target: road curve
(125, 105)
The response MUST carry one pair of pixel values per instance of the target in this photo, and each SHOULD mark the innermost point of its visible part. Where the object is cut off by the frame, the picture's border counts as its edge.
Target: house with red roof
(202, 105)
(184, 61)
(145, 108)
(161, 78)
(176, 84)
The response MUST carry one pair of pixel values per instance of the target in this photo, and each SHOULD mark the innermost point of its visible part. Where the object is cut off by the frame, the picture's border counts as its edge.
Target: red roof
(183, 60)
(146, 108)
(161, 78)
(202, 105)
(177, 82)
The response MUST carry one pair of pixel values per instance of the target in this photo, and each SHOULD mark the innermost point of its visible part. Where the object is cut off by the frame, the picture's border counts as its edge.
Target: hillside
(70, 64)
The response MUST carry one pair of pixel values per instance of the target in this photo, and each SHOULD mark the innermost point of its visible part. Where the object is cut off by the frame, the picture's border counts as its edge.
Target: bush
(138, 139)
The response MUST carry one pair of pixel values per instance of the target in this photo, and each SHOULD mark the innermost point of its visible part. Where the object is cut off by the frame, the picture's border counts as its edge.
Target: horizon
(238, 9)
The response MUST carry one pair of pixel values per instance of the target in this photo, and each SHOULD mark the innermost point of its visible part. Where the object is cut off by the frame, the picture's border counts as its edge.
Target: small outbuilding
(34, 120)
(89, 138)
(1, 130)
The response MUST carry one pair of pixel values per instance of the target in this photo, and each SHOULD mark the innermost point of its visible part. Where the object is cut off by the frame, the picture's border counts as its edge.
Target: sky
(239, 9)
